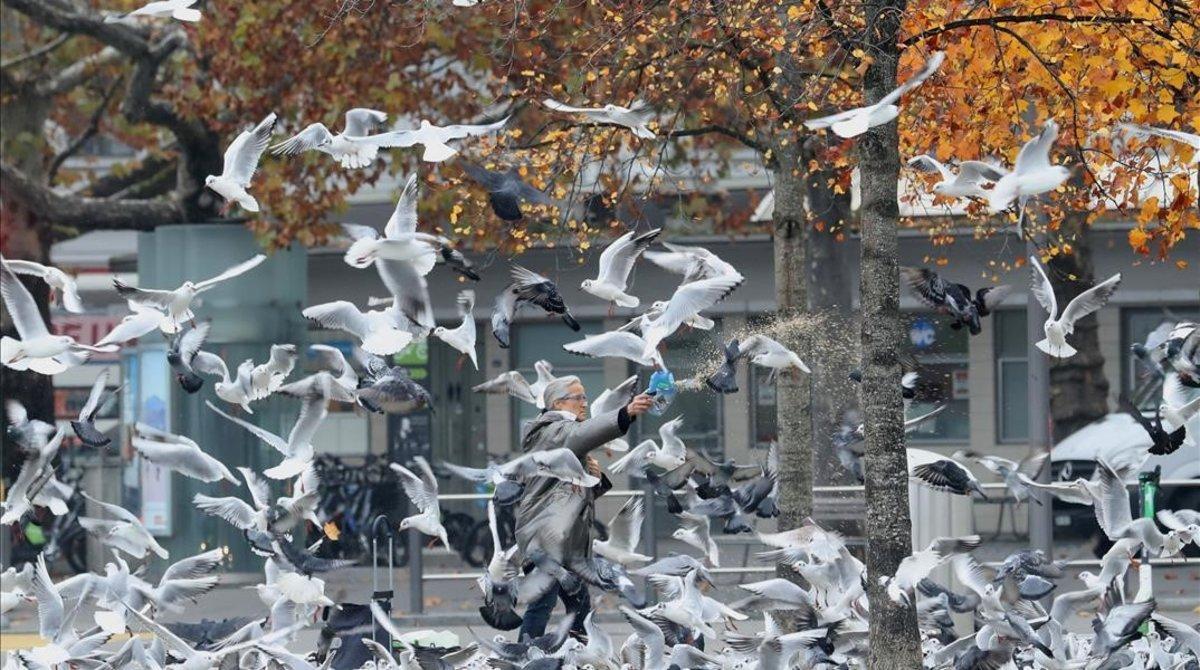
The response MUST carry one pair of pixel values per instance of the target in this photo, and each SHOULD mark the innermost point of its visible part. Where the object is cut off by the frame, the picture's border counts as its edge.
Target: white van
(1115, 438)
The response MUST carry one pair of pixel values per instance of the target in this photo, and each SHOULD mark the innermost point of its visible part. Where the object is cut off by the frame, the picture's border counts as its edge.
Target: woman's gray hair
(558, 389)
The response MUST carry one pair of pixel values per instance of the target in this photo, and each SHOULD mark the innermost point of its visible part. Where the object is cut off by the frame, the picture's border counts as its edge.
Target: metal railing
(417, 576)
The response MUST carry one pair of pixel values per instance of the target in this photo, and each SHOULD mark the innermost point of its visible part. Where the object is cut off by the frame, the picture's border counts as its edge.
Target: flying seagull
(176, 303)
(635, 117)
(435, 139)
(241, 161)
(422, 491)
(125, 533)
(37, 349)
(178, 453)
(1190, 139)
(462, 338)
(616, 262)
(1059, 326)
(855, 122)
(766, 352)
(180, 10)
(1032, 174)
(512, 383)
(694, 263)
(965, 183)
(143, 320)
(353, 147)
(62, 285)
(617, 344)
(687, 301)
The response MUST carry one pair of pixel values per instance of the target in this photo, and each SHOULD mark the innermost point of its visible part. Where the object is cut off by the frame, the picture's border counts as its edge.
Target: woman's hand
(640, 404)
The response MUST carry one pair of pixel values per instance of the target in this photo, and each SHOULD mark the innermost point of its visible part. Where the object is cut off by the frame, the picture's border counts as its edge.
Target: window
(1011, 350)
(1136, 324)
(941, 352)
(687, 352)
(536, 341)
(764, 423)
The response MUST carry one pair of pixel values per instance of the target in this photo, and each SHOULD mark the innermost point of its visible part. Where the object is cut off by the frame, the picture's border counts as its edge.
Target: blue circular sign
(922, 333)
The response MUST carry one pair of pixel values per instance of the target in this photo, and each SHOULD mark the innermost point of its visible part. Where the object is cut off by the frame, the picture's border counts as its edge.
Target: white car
(1114, 438)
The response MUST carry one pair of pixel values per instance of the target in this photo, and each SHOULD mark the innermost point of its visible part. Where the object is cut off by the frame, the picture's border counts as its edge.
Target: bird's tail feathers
(290, 467)
(1063, 351)
(10, 349)
(360, 254)
(386, 342)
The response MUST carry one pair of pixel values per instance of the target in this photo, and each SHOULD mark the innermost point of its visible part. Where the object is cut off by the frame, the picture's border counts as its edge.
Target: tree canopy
(721, 75)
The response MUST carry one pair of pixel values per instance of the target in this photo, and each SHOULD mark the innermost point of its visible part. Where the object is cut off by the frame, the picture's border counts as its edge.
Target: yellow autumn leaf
(1166, 114)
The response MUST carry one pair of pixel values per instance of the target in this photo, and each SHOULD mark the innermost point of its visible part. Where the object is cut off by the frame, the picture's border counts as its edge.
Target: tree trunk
(1078, 387)
(894, 641)
(830, 301)
(791, 391)
(23, 237)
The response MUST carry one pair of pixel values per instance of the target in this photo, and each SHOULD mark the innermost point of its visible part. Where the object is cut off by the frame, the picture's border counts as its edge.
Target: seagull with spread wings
(1190, 139)
(436, 139)
(297, 449)
(617, 344)
(963, 184)
(241, 161)
(634, 117)
(353, 147)
(462, 337)
(855, 122)
(62, 285)
(37, 349)
(624, 534)
(687, 301)
(180, 10)
(178, 453)
(176, 304)
(125, 533)
(423, 492)
(766, 352)
(1032, 174)
(616, 263)
(1059, 326)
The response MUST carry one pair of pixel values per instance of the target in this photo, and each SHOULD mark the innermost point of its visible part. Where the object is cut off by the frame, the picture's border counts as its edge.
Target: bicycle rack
(384, 598)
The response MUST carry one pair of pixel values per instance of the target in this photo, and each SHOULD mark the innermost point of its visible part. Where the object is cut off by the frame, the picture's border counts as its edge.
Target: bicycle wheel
(74, 549)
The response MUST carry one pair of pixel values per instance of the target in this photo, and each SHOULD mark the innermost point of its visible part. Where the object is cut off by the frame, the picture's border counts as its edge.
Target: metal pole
(1147, 491)
(1041, 521)
(416, 576)
(649, 531)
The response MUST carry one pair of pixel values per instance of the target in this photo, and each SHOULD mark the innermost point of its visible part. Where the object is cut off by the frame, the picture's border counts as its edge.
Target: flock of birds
(827, 625)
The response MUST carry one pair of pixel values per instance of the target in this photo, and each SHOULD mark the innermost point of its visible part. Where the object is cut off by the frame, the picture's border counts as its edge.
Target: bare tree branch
(87, 213)
(1043, 18)
(116, 182)
(43, 50)
(62, 16)
(76, 73)
(88, 133)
